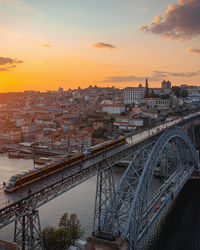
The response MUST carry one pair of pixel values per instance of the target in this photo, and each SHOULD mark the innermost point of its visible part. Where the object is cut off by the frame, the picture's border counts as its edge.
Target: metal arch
(105, 223)
(124, 192)
(132, 201)
(149, 168)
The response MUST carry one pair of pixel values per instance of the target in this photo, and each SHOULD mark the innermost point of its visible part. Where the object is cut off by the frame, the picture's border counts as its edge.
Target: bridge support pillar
(105, 191)
(28, 233)
(198, 158)
(191, 133)
(94, 243)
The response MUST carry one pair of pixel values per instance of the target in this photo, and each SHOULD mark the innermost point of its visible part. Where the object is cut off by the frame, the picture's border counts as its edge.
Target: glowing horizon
(46, 45)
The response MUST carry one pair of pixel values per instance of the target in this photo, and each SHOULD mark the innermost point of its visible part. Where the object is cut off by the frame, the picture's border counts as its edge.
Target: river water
(79, 200)
(177, 229)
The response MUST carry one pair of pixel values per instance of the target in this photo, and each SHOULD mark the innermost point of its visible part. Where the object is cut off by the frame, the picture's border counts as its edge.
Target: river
(177, 229)
(79, 200)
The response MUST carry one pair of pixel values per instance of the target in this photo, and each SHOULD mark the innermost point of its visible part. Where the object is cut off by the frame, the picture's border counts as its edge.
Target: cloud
(4, 69)
(46, 45)
(7, 68)
(179, 22)
(129, 78)
(8, 63)
(160, 74)
(193, 50)
(7, 60)
(156, 76)
(103, 46)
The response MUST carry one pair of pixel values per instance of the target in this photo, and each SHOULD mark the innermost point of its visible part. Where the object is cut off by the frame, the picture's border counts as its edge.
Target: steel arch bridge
(131, 209)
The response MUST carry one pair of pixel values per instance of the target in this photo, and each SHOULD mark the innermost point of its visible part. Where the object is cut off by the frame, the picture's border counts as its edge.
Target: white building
(106, 102)
(126, 126)
(128, 123)
(194, 96)
(151, 102)
(162, 104)
(132, 95)
(44, 122)
(113, 108)
(20, 122)
(136, 122)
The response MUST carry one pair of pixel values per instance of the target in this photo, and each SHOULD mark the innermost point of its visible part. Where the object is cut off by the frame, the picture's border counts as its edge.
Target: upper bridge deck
(50, 187)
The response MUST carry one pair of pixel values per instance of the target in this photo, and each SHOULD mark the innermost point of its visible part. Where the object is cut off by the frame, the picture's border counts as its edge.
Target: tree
(176, 90)
(48, 235)
(62, 238)
(99, 133)
(56, 238)
(71, 224)
(184, 93)
(69, 229)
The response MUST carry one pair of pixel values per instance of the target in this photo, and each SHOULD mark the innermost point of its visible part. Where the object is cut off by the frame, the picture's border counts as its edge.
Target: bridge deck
(48, 188)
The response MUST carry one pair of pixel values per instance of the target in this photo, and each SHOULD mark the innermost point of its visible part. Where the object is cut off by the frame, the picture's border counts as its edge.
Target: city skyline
(46, 44)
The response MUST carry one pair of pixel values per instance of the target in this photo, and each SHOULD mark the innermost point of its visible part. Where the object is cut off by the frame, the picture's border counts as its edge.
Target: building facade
(115, 109)
(133, 95)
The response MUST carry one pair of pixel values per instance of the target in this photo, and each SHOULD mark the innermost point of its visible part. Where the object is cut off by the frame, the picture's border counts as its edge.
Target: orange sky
(45, 45)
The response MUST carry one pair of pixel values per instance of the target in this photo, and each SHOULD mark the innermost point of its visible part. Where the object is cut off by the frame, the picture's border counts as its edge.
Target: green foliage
(99, 133)
(72, 225)
(176, 90)
(69, 229)
(184, 93)
(180, 93)
(112, 119)
(48, 235)
(62, 238)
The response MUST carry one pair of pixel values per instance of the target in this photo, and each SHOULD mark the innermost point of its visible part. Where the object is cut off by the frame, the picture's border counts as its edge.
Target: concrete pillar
(94, 243)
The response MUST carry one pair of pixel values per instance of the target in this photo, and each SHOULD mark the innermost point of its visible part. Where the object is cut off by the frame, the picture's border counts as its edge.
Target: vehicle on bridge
(103, 147)
(20, 180)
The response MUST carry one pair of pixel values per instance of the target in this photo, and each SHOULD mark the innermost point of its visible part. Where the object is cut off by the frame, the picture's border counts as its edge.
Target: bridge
(127, 211)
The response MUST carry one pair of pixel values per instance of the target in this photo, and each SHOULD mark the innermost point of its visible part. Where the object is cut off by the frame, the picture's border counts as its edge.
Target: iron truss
(23, 206)
(131, 209)
(26, 217)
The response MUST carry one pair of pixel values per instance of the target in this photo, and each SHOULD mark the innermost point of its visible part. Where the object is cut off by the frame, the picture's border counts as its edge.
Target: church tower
(147, 89)
(147, 84)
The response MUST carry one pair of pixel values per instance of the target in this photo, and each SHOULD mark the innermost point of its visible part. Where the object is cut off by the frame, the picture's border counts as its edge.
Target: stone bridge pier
(94, 243)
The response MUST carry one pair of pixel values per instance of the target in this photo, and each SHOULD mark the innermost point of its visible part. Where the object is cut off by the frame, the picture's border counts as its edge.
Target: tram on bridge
(20, 180)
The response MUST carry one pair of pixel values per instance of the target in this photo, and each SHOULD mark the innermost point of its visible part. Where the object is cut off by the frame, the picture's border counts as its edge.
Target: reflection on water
(178, 227)
(79, 200)
(9, 167)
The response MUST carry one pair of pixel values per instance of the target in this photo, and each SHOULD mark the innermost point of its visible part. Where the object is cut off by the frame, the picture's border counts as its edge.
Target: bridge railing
(134, 140)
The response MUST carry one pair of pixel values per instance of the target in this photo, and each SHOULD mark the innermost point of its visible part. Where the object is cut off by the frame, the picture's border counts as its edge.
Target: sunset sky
(47, 44)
